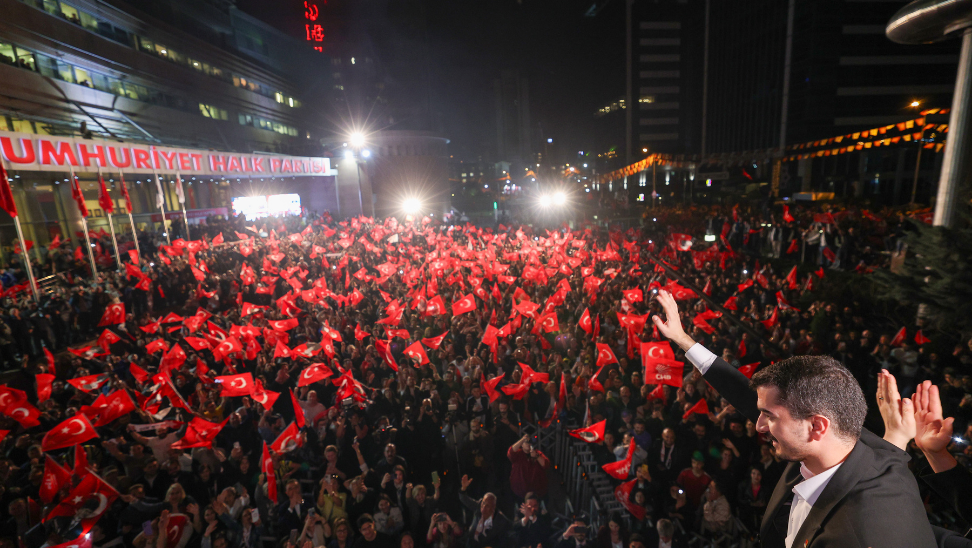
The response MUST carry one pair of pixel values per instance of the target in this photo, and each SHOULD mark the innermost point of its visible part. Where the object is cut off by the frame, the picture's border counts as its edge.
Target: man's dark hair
(365, 518)
(817, 385)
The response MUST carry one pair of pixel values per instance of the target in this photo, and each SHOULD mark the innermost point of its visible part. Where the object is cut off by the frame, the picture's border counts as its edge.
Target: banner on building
(29, 152)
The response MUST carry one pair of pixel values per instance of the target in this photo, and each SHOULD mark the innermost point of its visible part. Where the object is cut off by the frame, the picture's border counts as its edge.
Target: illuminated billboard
(256, 207)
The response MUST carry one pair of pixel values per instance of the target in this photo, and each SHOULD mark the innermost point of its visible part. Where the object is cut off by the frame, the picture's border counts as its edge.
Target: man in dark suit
(844, 486)
(292, 512)
(489, 527)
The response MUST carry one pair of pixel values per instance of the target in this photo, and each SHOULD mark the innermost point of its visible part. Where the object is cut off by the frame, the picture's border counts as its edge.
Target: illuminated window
(647, 99)
(215, 113)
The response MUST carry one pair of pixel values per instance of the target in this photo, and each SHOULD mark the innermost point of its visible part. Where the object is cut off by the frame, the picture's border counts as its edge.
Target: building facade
(192, 75)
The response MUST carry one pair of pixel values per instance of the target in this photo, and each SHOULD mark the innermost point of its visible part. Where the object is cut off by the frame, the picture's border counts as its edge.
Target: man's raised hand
(672, 326)
(898, 413)
(933, 432)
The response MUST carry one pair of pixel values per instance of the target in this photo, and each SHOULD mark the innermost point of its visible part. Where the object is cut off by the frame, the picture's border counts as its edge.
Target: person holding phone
(576, 535)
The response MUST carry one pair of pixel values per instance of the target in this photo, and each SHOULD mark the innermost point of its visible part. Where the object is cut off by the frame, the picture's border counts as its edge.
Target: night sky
(574, 63)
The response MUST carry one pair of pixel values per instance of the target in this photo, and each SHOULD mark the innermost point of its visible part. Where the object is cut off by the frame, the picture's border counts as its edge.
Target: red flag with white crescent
(592, 434)
(77, 429)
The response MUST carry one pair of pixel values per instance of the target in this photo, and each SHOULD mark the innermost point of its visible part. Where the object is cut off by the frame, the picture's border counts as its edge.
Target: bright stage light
(559, 198)
(412, 205)
(348, 154)
(357, 139)
(366, 153)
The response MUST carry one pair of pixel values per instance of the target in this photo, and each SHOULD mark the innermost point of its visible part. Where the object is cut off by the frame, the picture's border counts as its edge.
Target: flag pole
(20, 234)
(181, 192)
(160, 201)
(131, 221)
(84, 225)
(23, 250)
(111, 227)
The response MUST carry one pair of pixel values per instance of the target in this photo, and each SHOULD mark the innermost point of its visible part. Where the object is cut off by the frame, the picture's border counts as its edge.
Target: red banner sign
(29, 152)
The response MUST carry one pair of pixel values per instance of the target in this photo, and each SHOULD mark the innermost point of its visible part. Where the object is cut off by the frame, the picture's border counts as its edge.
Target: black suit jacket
(496, 536)
(872, 500)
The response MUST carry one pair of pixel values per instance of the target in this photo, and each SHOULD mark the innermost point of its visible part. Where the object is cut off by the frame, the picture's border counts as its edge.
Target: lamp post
(357, 141)
(921, 143)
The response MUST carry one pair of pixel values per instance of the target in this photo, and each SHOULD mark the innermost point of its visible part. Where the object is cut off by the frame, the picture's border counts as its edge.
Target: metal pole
(955, 164)
(111, 228)
(185, 216)
(131, 220)
(654, 176)
(705, 76)
(23, 250)
(357, 167)
(914, 184)
(787, 61)
(629, 80)
(87, 238)
(158, 186)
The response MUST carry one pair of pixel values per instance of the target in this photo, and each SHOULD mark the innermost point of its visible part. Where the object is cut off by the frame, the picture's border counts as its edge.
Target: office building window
(210, 111)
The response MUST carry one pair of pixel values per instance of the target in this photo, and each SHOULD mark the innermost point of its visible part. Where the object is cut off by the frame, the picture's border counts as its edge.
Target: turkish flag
(490, 386)
(89, 382)
(464, 305)
(820, 273)
(899, 338)
(663, 371)
(549, 323)
(218, 239)
(80, 461)
(283, 325)
(708, 287)
(585, 321)
(605, 355)
(529, 376)
(288, 440)
(156, 345)
(19, 409)
(435, 306)
(197, 343)
(658, 394)
(744, 286)
(117, 404)
(793, 248)
(173, 359)
(783, 303)
(749, 369)
(791, 279)
(236, 385)
(622, 494)
(700, 407)
(86, 502)
(622, 468)
(227, 347)
(172, 317)
(741, 351)
(435, 342)
(55, 477)
(281, 350)
(176, 529)
(266, 466)
(682, 242)
(633, 295)
(50, 361)
(786, 214)
(114, 314)
(315, 372)
(104, 199)
(416, 352)
(84, 541)
(770, 322)
(106, 339)
(385, 352)
(199, 433)
(264, 397)
(592, 434)
(730, 304)
(6, 196)
(921, 339)
(75, 430)
(298, 410)
(44, 383)
(360, 334)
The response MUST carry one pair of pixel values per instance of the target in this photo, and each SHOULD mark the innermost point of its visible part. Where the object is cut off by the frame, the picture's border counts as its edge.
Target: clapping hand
(933, 433)
(898, 413)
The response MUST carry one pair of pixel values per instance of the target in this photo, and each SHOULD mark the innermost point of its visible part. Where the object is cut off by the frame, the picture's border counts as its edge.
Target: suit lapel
(781, 493)
(845, 478)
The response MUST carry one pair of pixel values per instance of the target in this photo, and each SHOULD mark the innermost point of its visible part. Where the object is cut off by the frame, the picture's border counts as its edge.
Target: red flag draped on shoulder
(592, 434)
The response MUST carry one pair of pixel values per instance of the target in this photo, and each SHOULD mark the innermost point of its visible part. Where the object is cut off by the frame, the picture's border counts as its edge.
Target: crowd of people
(301, 382)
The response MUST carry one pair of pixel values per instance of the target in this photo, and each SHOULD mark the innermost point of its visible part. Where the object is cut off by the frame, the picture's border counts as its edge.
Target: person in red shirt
(529, 469)
(694, 480)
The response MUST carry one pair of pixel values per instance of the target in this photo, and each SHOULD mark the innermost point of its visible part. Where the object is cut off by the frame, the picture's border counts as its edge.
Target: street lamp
(357, 139)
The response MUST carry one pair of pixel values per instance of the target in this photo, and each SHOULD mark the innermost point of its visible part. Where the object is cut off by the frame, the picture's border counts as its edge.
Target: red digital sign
(314, 30)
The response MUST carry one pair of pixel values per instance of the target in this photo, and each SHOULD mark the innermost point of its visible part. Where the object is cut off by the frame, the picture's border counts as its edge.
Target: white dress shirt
(805, 494)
